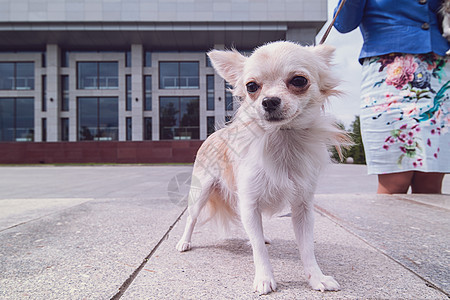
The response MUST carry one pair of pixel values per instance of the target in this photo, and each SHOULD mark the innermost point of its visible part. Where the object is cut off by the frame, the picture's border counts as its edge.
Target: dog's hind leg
(303, 222)
(198, 197)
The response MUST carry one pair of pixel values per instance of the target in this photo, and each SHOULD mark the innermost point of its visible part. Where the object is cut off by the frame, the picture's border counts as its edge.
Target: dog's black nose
(270, 104)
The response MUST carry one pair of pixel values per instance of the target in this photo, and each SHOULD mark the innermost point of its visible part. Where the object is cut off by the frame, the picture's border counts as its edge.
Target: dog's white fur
(445, 13)
(263, 161)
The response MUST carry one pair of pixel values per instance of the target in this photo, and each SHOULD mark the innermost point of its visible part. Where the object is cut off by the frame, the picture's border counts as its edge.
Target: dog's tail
(220, 211)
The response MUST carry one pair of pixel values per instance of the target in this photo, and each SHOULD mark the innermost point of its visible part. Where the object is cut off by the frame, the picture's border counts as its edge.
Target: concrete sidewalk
(86, 232)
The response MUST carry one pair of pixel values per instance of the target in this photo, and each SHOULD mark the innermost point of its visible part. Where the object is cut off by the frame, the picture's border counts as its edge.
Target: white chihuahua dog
(272, 152)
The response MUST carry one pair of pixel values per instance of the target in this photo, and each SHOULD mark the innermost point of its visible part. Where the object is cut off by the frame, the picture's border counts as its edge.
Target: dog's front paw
(264, 285)
(183, 246)
(324, 283)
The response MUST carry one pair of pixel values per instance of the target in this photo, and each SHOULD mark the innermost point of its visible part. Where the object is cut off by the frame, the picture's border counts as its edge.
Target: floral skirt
(405, 113)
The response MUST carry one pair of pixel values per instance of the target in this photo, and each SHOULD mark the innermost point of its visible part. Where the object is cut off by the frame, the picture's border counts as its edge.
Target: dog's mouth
(274, 119)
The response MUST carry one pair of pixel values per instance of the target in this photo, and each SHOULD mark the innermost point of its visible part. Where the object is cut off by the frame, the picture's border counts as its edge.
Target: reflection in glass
(6, 76)
(108, 75)
(228, 97)
(7, 115)
(108, 119)
(128, 122)
(25, 76)
(211, 125)
(24, 119)
(98, 75)
(87, 118)
(148, 59)
(44, 93)
(64, 129)
(179, 75)
(65, 92)
(210, 92)
(189, 75)
(98, 118)
(17, 76)
(148, 92)
(179, 118)
(128, 95)
(148, 128)
(44, 129)
(168, 75)
(87, 75)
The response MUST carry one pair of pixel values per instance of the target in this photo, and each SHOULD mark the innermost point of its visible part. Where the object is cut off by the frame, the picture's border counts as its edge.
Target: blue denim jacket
(388, 26)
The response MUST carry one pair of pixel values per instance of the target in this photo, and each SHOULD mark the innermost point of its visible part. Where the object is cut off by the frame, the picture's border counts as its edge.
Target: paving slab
(85, 252)
(412, 233)
(81, 232)
(218, 268)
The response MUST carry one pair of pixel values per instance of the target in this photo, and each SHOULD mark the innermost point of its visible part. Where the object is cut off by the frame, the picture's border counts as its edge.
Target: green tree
(355, 151)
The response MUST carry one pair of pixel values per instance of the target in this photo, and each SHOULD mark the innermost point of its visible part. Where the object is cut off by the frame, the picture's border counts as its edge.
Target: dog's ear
(326, 52)
(229, 64)
(328, 81)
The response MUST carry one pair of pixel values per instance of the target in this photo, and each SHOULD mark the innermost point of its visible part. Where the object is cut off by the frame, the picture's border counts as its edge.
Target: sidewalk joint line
(428, 283)
(136, 272)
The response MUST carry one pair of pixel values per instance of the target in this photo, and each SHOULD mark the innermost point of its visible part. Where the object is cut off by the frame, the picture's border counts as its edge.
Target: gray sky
(348, 68)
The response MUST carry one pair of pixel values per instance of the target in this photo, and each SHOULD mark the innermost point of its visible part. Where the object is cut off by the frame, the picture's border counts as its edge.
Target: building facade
(73, 71)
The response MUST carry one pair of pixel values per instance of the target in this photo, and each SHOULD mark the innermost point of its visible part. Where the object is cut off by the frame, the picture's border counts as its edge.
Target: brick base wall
(99, 152)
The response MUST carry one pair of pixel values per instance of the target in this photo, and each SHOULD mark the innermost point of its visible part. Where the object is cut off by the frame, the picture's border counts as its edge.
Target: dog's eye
(252, 87)
(299, 81)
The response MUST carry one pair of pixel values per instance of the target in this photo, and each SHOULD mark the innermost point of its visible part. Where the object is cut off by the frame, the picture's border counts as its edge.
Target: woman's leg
(394, 183)
(427, 183)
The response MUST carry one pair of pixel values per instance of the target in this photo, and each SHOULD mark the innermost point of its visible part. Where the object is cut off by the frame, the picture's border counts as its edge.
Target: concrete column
(305, 36)
(137, 93)
(219, 94)
(53, 94)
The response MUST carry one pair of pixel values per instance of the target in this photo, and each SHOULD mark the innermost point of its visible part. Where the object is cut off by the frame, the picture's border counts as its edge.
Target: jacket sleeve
(350, 16)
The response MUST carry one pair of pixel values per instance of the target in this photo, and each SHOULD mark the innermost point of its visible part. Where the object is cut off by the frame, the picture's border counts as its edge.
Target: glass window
(129, 128)
(64, 58)
(24, 116)
(7, 119)
(108, 75)
(148, 92)
(148, 129)
(147, 59)
(228, 97)
(44, 60)
(65, 92)
(7, 76)
(25, 76)
(98, 75)
(87, 75)
(17, 76)
(108, 123)
(168, 75)
(87, 118)
(44, 129)
(128, 59)
(208, 61)
(98, 118)
(44, 93)
(211, 125)
(16, 119)
(128, 95)
(210, 92)
(189, 75)
(64, 129)
(179, 118)
(178, 75)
